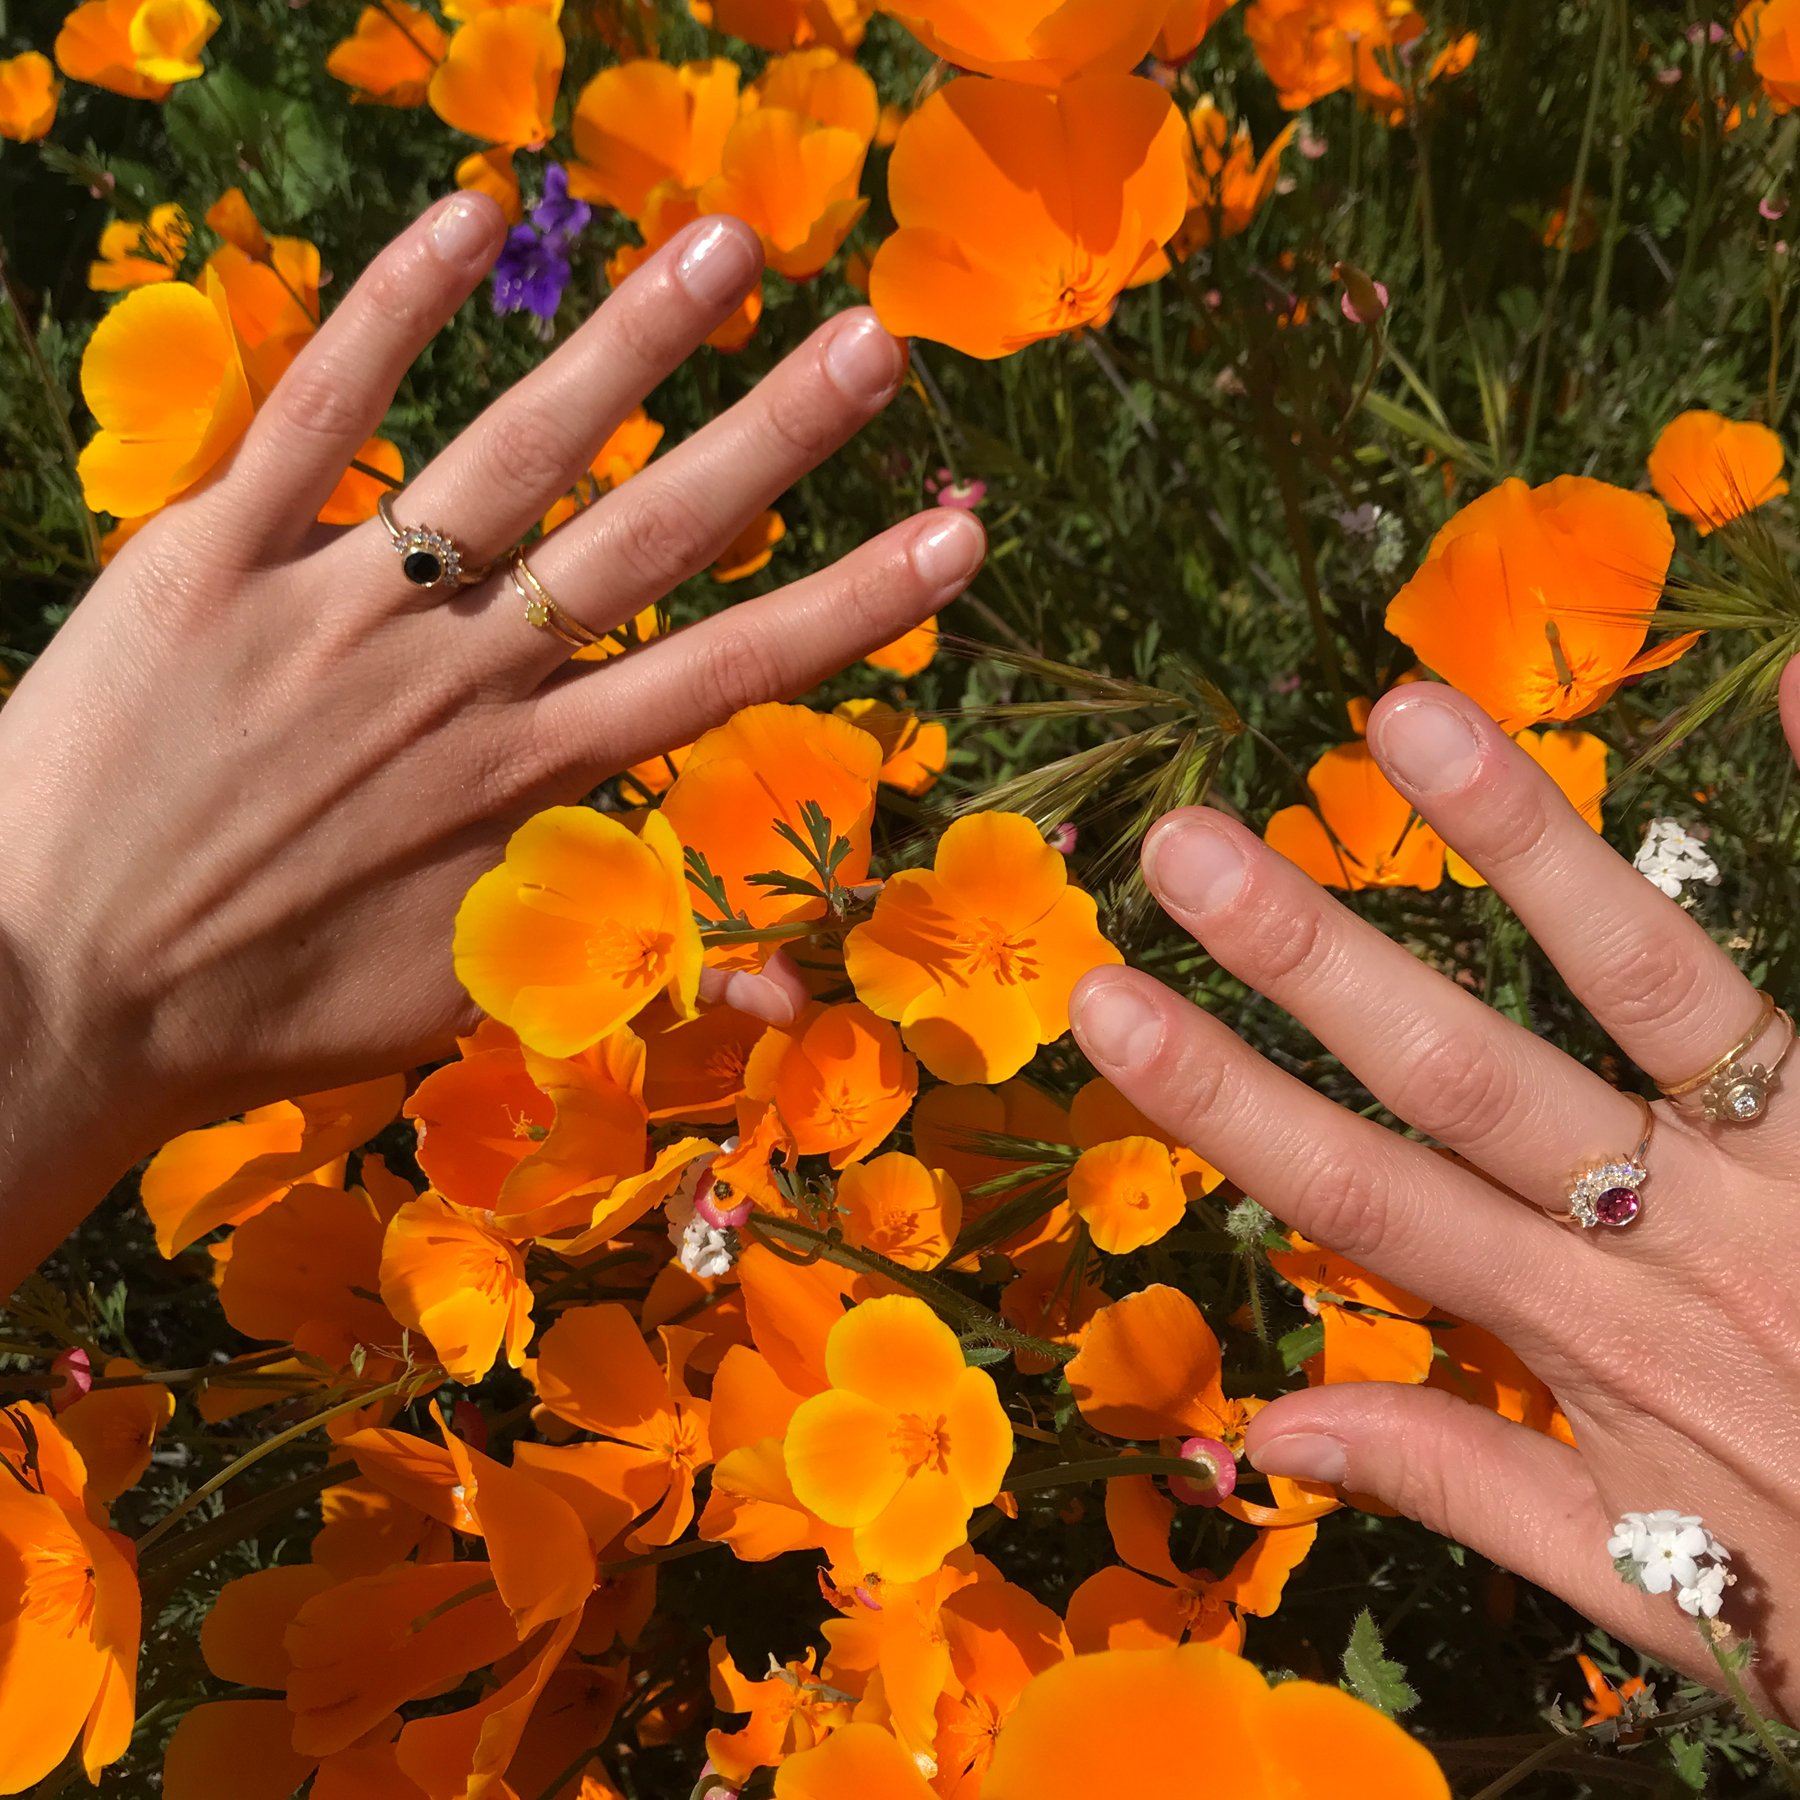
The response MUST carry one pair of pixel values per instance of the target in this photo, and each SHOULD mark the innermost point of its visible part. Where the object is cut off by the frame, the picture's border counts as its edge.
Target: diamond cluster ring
(428, 558)
(1610, 1193)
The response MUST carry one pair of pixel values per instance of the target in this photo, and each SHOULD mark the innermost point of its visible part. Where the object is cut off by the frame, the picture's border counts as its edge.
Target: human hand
(253, 776)
(1672, 1347)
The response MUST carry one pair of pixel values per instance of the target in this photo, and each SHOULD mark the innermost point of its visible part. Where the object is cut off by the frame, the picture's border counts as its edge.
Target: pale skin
(1673, 1345)
(253, 776)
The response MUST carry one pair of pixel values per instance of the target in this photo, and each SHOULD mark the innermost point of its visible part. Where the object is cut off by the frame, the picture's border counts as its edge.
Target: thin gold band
(1608, 1192)
(1743, 1047)
(541, 609)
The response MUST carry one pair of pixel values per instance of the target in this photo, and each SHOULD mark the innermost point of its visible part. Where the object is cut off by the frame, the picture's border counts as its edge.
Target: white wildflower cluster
(1660, 1551)
(702, 1248)
(1673, 859)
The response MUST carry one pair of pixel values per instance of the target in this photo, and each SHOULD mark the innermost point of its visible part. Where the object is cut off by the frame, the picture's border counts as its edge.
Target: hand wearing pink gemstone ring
(1665, 1344)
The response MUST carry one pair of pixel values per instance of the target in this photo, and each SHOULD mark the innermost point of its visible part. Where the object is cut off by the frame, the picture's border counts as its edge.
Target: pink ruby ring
(1611, 1193)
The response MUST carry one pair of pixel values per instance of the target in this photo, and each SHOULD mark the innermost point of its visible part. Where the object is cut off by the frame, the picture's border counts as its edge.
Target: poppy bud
(71, 1376)
(713, 1202)
(1215, 1467)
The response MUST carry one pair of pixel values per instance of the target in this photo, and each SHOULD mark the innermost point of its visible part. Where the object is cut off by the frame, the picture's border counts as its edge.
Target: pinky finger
(1523, 1500)
(604, 717)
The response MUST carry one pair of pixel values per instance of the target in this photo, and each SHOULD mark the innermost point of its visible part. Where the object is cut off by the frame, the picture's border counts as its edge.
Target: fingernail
(463, 231)
(718, 265)
(948, 554)
(863, 360)
(1303, 1456)
(759, 998)
(1117, 1024)
(1429, 746)
(1195, 867)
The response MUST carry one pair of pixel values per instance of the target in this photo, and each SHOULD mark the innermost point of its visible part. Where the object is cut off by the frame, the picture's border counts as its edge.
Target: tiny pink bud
(1364, 299)
(71, 1376)
(868, 1599)
(965, 496)
(1063, 839)
(1772, 209)
(1311, 147)
(1216, 1468)
(719, 1213)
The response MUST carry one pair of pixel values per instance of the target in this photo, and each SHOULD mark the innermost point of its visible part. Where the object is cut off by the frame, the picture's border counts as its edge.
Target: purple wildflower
(534, 267)
(556, 216)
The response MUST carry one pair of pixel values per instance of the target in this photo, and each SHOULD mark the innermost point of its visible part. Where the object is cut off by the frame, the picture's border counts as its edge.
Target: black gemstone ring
(428, 558)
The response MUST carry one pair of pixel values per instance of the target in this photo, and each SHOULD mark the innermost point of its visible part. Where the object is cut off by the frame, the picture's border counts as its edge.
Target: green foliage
(1371, 1674)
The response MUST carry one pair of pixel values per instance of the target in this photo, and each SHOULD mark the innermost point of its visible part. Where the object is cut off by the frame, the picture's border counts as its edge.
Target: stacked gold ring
(1730, 1090)
(541, 609)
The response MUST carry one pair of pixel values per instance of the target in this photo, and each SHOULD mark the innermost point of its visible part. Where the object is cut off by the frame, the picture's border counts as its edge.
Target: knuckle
(738, 668)
(1454, 1087)
(650, 323)
(525, 452)
(1647, 979)
(1341, 1201)
(317, 399)
(662, 537)
(1515, 825)
(798, 423)
(1200, 1087)
(1284, 945)
(1431, 1440)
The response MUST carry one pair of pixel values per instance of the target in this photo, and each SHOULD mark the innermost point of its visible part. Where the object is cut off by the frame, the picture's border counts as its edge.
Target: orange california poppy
(1127, 1193)
(136, 252)
(1228, 185)
(499, 77)
(392, 55)
(908, 655)
(1054, 1296)
(905, 1443)
(1132, 1722)
(364, 1647)
(823, 86)
(1047, 42)
(138, 48)
(113, 1430)
(1311, 48)
(1150, 1367)
(694, 1070)
(1474, 1365)
(448, 1274)
(1604, 1700)
(913, 751)
(900, 1209)
(164, 378)
(989, 258)
(998, 1637)
(1713, 469)
(1576, 762)
(235, 220)
(745, 787)
(1361, 831)
(976, 956)
(353, 500)
(274, 306)
(595, 1370)
(753, 549)
(213, 1742)
(949, 1124)
(367, 1528)
(578, 929)
(227, 1173)
(68, 1660)
(493, 172)
(1186, 25)
(837, 1077)
(28, 95)
(479, 1117)
(859, 1762)
(668, 212)
(1536, 601)
(646, 123)
(1770, 31)
(794, 182)
(789, 24)
(306, 1271)
(1147, 1599)
(1100, 1114)
(625, 453)
(790, 1710)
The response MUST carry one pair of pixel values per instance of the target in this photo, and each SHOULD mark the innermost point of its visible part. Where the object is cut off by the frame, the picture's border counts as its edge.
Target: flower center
(990, 949)
(922, 1443)
(59, 1584)
(632, 955)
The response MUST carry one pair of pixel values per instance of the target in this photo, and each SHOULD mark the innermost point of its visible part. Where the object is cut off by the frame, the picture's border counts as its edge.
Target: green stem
(1740, 1697)
(250, 1458)
(1106, 1468)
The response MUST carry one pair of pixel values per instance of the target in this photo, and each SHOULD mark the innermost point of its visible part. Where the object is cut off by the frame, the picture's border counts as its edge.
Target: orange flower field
(765, 1358)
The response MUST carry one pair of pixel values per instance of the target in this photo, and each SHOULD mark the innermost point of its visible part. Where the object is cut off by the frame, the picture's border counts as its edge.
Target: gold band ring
(428, 558)
(541, 609)
(1730, 1090)
(1610, 1193)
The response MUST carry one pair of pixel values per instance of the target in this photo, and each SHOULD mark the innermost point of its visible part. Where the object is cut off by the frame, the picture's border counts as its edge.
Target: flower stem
(1740, 1697)
(1106, 1468)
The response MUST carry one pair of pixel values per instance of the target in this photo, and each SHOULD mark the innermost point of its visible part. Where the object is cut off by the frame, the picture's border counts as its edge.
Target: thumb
(1523, 1500)
(1790, 705)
